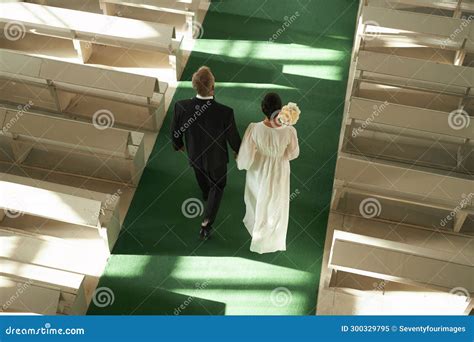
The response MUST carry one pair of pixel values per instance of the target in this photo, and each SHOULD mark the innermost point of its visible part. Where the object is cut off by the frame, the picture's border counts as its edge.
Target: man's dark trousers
(212, 184)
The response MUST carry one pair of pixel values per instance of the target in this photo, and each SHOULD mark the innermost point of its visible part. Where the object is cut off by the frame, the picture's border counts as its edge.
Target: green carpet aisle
(158, 265)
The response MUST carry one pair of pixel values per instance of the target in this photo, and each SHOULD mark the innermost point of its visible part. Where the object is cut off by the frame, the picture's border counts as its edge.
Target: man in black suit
(206, 126)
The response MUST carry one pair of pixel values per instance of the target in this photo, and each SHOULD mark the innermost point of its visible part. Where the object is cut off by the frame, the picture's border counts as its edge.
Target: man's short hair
(203, 81)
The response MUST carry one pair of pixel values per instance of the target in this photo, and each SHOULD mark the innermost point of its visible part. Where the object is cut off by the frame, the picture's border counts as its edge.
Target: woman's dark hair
(271, 103)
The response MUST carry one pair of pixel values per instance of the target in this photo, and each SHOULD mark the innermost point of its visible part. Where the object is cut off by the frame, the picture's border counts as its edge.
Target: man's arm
(232, 133)
(176, 133)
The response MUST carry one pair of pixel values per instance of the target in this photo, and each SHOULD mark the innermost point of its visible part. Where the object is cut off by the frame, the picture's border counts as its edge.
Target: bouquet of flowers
(289, 114)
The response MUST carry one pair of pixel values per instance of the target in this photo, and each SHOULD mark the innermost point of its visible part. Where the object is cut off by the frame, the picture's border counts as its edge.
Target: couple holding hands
(203, 128)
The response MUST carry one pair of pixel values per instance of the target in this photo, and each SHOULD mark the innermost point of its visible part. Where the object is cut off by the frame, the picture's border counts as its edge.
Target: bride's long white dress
(266, 153)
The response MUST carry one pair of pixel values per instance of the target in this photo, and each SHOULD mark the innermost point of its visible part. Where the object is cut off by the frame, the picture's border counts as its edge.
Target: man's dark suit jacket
(206, 126)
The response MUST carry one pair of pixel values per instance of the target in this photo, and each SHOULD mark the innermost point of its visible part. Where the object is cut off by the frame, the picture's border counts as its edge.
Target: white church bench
(417, 28)
(52, 252)
(26, 131)
(450, 5)
(400, 262)
(188, 9)
(406, 117)
(35, 299)
(412, 72)
(376, 120)
(62, 203)
(76, 90)
(68, 286)
(85, 29)
(403, 184)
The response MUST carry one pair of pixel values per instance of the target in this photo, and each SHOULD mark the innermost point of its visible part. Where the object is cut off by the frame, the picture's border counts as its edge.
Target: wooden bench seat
(68, 286)
(27, 131)
(188, 9)
(406, 117)
(401, 262)
(86, 29)
(79, 91)
(413, 72)
(62, 203)
(404, 184)
(421, 28)
(51, 252)
(450, 5)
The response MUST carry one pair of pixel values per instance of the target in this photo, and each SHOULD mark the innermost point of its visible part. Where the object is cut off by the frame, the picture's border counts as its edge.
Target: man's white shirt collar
(204, 97)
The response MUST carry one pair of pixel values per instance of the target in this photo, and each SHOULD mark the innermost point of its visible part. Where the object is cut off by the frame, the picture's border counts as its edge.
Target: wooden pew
(62, 203)
(406, 117)
(404, 184)
(412, 138)
(452, 5)
(417, 73)
(51, 252)
(418, 28)
(188, 9)
(27, 131)
(80, 91)
(401, 262)
(85, 29)
(383, 296)
(66, 292)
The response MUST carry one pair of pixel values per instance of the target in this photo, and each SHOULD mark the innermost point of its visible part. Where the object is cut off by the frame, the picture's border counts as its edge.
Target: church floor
(158, 265)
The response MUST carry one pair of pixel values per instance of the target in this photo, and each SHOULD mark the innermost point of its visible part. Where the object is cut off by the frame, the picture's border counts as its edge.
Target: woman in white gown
(265, 153)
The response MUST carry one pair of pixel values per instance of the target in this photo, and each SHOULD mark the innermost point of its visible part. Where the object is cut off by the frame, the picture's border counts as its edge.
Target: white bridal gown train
(266, 153)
